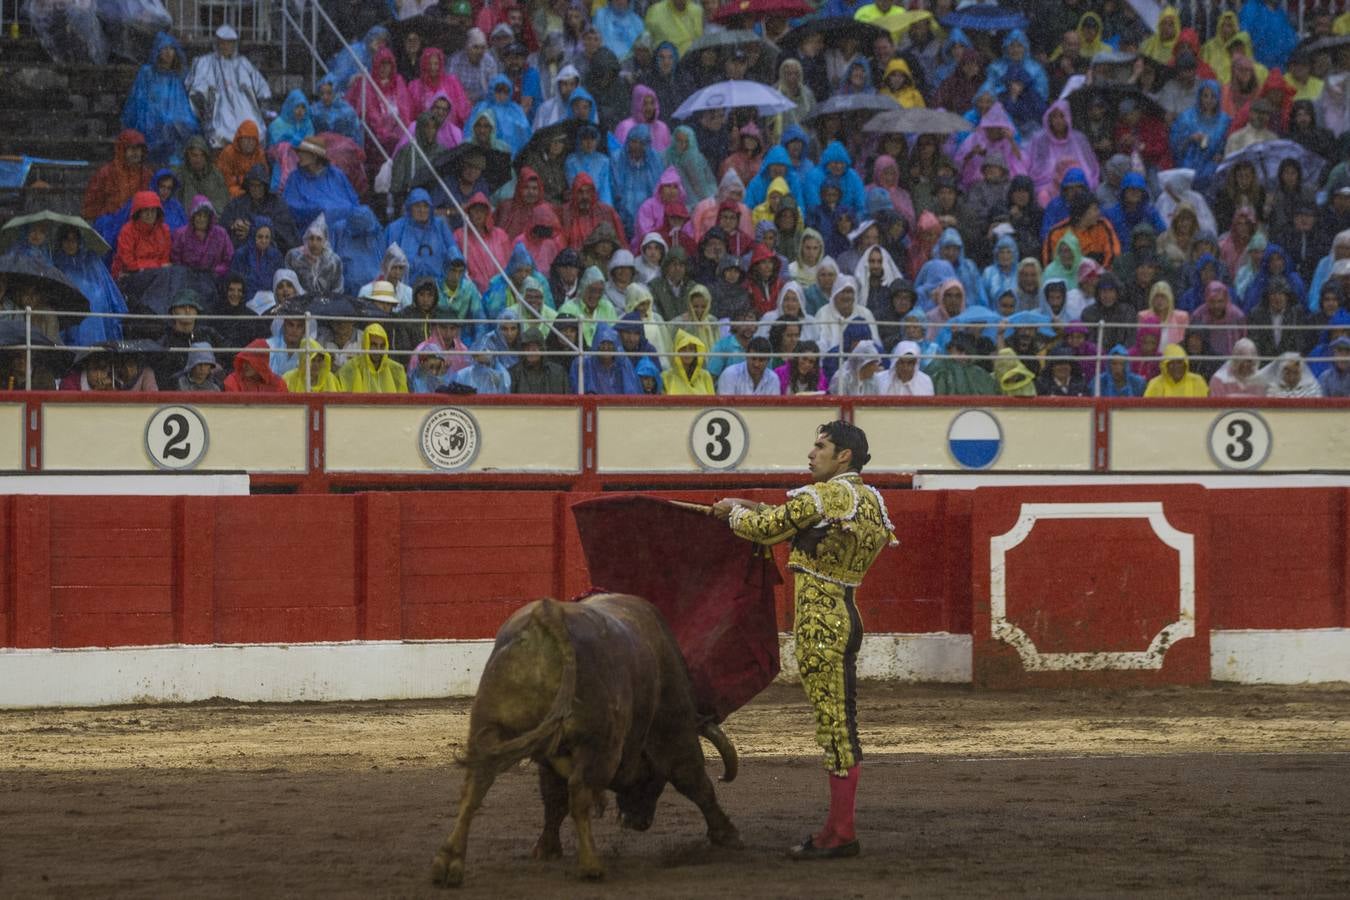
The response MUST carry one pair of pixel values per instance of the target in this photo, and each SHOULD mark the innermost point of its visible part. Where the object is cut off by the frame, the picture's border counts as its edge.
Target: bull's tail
(715, 736)
(544, 738)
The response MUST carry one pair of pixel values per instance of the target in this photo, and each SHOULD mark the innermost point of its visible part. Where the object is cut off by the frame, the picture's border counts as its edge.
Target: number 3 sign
(718, 439)
(1239, 440)
(175, 438)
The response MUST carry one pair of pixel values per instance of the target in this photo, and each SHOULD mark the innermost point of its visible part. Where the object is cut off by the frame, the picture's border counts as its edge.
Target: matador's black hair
(846, 436)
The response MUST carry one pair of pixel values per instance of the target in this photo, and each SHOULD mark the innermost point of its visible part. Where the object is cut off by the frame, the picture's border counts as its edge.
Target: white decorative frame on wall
(1033, 660)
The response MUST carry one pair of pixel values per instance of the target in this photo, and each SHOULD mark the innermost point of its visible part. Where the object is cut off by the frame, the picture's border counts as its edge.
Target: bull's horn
(718, 739)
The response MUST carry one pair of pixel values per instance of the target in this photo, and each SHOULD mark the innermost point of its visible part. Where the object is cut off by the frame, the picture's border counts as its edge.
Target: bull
(597, 694)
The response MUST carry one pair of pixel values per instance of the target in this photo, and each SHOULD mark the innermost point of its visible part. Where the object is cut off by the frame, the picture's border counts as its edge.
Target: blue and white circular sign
(974, 439)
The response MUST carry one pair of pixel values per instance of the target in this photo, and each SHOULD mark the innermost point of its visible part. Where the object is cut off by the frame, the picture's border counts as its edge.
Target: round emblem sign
(1239, 440)
(176, 438)
(450, 439)
(719, 439)
(974, 439)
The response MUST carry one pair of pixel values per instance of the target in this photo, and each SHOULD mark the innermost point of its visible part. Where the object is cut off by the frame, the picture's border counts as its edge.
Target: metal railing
(199, 19)
(319, 16)
(1088, 364)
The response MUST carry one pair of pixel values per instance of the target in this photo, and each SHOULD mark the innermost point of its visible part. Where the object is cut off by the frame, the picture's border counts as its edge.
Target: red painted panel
(449, 532)
(30, 561)
(7, 573)
(112, 629)
(1080, 591)
(109, 571)
(195, 571)
(97, 541)
(461, 619)
(282, 584)
(427, 589)
(280, 626)
(1277, 558)
(454, 564)
(504, 559)
(107, 513)
(129, 598)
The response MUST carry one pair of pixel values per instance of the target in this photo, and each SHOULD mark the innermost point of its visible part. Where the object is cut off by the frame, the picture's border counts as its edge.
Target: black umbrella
(331, 306)
(866, 105)
(1323, 45)
(155, 290)
(55, 290)
(153, 353)
(496, 167)
(836, 30)
(566, 130)
(1113, 95)
(14, 334)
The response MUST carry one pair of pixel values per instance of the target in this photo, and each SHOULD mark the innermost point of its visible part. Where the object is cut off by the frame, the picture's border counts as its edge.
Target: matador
(838, 526)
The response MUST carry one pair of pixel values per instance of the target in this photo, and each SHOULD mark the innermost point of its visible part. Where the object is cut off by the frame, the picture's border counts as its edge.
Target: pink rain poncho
(1049, 157)
(660, 131)
(981, 143)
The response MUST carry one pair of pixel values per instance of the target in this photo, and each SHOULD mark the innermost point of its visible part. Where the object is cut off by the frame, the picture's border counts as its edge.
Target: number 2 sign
(719, 439)
(176, 437)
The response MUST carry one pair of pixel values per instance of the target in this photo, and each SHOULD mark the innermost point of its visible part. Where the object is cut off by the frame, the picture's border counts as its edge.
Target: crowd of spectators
(1127, 211)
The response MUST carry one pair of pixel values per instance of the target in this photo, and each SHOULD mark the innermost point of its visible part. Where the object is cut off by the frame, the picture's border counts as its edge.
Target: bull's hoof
(592, 872)
(546, 849)
(634, 824)
(729, 839)
(446, 872)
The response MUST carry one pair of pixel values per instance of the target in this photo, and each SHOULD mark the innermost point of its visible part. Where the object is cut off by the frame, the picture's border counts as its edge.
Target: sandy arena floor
(1222, 791)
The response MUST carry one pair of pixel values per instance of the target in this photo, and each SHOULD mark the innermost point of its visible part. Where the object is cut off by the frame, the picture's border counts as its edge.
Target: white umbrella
(734, 95)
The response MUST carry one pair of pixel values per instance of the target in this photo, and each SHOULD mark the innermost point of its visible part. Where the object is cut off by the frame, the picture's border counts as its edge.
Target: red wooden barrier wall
(108, 571)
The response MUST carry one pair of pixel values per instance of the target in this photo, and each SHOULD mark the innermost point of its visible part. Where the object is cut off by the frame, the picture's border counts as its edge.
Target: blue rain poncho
(854, 197)
(635, 182)
(342, 67)
(996, 75)
(337, 117)
(597, 166)
(966, 271)
(489, 378)
(1202, 157)
(329, 192)
(463, 303)
(285, 128)
(494, 340)
(257, 268)
(513, 128)
(359, 243)
(427, 245)
(158, 105)
(1273, 35)
(88, 273)
(758, 188)
(499, 297)
(612, 374)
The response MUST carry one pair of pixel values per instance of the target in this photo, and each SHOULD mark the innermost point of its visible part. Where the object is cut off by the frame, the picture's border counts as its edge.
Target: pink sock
(839, 827)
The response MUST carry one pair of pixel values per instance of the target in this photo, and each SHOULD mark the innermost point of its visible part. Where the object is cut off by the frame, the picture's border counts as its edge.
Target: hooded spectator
(252, 373)
(158, 105)
(228, 90)
(116, 182)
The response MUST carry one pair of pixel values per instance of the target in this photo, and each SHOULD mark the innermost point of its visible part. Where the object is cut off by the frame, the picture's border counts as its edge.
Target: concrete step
(96, 152)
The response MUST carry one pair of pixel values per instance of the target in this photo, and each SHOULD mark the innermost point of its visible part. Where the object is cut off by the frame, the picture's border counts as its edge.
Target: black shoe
(807, 850)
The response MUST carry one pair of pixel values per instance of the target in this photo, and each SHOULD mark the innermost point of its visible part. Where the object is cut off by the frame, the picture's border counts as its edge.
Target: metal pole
(313, 40)
(28, 348)
(304, 358)
(1097, 382)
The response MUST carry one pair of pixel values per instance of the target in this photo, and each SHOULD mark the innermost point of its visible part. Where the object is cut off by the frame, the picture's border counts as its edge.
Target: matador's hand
(721, 510)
